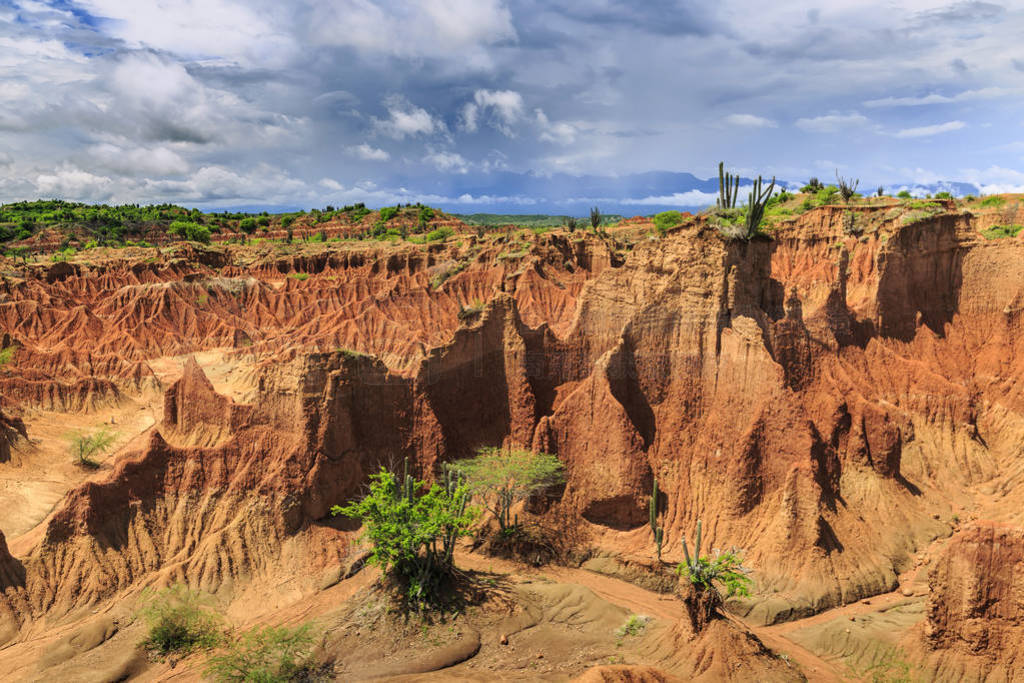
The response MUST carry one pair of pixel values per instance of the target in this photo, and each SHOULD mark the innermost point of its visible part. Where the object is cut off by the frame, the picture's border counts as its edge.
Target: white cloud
(368, 153)
(504, 107)
(160, 160)
(223, 29)
(750, 121)
(74, 183)
(831, 123)
(934, 98)
(691, 198)
(562, 133)
(924, 131)
(450, 29)
(450, 162)
(406, 120)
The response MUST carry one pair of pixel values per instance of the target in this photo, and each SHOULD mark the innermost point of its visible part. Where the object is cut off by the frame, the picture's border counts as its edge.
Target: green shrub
(179, 621)
(634, 626)
(412, 534)
(7, 355)
(387, 213)
(707, 573)
(1000, 231)
(287, 221)
(993, 201)
(193, 232)
(666, 220)
(439, 234)
(271, 654)
(826, 195)
(84, 448)
(904, 194)
(301, 277)
(503, 478)
(943, 195)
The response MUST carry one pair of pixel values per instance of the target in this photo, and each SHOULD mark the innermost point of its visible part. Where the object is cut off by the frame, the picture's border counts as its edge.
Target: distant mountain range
(505, 192)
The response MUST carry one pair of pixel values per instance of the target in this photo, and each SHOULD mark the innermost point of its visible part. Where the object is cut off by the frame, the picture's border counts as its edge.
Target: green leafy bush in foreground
(413, 533)
(179, 621)
(707, 573)
(270, 654)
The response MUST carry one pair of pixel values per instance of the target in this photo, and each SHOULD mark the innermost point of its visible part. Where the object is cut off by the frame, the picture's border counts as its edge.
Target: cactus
(659, 532)
(728, 188)
(454, 484)
(846, 189)
(756, 203)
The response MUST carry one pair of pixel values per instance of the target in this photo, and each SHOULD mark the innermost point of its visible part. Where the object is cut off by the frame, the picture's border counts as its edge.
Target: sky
(500, 105)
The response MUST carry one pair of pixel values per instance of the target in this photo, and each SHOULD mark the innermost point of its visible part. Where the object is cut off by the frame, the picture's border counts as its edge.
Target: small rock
(907, 591)
(935, 515)
(540, 655)
(504, 639)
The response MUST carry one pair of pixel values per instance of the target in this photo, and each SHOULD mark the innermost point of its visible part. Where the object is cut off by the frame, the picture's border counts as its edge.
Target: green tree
(247, 225)
(193, 232)
(85, 448)
(412, 532)
(503, 478)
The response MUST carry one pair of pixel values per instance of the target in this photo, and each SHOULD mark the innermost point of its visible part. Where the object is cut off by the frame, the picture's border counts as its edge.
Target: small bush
(999, 231)
(7, 355)
(301, 277)
(904, 194)
(84, 448)
(826, 195)
(439, 234)
(287, 221)
(272, 654)
(179, 622)
(387, 213)
(247, 225)
(634, 626)
(666, 220)
(943, 195)
(993, 201)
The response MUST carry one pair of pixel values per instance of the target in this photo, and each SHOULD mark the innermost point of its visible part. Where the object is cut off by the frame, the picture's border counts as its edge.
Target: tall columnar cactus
(756, 203)
(728, 188)
(458, 492)
(659, 532)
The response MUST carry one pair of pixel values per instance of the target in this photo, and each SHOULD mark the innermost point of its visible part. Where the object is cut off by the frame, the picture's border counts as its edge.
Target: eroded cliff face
(817, 399)
(975, 622)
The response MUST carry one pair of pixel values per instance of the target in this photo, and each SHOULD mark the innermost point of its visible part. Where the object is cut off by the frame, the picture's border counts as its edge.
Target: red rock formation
(975, 625)
(813, 399)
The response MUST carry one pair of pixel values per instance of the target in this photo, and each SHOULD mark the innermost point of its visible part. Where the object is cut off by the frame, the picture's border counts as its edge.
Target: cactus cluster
(659, 532)
(728, 188)
(756, 203)
(455, 486)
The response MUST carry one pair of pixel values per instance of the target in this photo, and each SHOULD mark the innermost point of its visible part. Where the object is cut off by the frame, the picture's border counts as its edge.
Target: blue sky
(495, 105)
